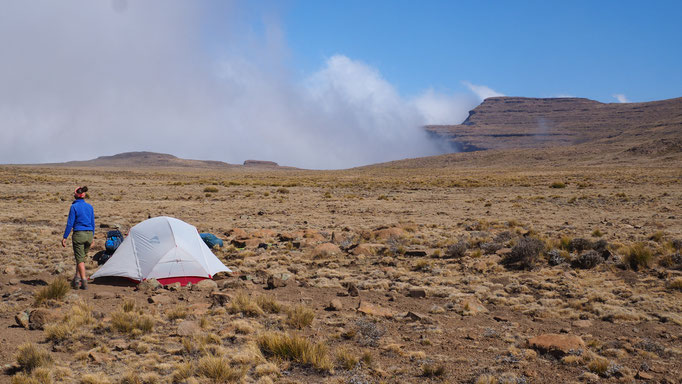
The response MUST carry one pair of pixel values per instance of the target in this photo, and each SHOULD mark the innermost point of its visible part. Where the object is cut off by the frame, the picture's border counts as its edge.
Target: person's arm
(69, 222)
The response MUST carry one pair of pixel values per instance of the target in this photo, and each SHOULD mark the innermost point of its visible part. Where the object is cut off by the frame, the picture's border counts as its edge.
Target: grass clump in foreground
(131, 321)
(31, 356)
(219, 369)
(56, 290)
(300, 316)
(76, 320)
(38, 376)
(242, 303)
(295, 348)
(638, 256)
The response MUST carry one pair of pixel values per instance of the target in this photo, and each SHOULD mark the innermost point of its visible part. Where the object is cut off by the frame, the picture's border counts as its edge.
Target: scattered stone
(325, 250)
(557, 345)
(159, 299)
(415, 252)
(233, 284)
(582, 323)
(589, 377)
(367, 249)
(119, 345)
(353, 290)
(416, 292)
(9, 270)
(644, 376)
(40, 317)
(220, 298)
(288, 236)
(205, 285)
(188, 328)
(99, 357)
(335, 305)
(435, 309)
(275, 282)
(414, 316)
(13, 282)
(387, 233)
(237, 233)
(104, 295)
(501, 319)
(22, 319)
(149, 285)
(471, 307)
(174, 287)
(374, 310)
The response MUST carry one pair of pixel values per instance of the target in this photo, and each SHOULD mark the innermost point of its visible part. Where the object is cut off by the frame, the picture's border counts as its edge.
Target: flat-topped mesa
(260, 163)
(522, 122)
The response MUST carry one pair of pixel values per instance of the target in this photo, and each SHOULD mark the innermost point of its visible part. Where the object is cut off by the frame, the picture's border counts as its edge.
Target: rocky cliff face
(519, 122)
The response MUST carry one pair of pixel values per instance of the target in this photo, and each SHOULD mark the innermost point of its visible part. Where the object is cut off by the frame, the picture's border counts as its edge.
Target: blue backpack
(211, 240)
(114, 239)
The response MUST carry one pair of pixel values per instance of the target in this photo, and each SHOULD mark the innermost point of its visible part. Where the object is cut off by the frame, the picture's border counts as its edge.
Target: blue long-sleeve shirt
(81, 217)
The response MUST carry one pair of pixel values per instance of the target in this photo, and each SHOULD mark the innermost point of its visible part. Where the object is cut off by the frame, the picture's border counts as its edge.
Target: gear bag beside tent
(166, 249)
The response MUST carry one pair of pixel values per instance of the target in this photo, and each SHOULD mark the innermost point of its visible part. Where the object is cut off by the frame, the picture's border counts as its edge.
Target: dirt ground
(417, 264)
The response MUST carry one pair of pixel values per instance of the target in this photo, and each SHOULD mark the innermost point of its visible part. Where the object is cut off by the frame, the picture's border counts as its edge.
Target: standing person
(82, 221)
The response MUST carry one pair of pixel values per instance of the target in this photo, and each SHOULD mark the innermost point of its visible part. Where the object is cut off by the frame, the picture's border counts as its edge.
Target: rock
(374, 310)
(414, 316)
(415, 252)
(40, 317)
(220, 298)
(367, 249)
(275, 282)
(205, 285)
(353, 290)
(264, 234)
(245, 243)
(589, 377)
(104, 295)
(234, 284)
(288, 236)
(237, 233)
(641, 375)
(159, 299)
(471, 307)
(313, 235)
(325, 250)
(557, 345)
(387, 233)
(416, 292)
(335, 305)
(582, 323)
(118, 345)
(9, 270)
(174, 287)
(188, 328)
(99, 357)
(501, 319)
(22, 319)
(149, 285)
(13, 281)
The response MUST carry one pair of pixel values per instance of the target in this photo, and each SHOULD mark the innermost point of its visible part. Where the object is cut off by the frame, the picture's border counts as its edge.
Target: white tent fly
(163, 248)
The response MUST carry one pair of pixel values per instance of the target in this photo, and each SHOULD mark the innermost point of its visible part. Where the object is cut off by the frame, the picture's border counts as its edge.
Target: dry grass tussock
(295, 348)
(128, 320)
(77, 319)
(37, 376)
(242, 303)
(56, 290)
(219, 369)
(31, 356)
(299, 316)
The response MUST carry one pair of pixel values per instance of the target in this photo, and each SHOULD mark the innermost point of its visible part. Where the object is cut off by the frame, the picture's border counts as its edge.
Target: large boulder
(41, 317)
(387, 233)
(188, 328)
(205, 285)
(556, 344)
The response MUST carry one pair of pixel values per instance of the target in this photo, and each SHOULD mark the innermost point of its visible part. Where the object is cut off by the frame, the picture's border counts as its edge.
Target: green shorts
(81, 244)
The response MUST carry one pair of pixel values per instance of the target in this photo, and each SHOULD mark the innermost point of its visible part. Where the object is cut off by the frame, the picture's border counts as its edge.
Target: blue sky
(591, 49)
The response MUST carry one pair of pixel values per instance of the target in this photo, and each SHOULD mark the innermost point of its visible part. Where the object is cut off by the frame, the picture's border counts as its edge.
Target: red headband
(79, 195)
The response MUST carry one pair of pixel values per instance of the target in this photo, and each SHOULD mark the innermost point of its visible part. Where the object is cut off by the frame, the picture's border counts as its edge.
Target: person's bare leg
(81, 272)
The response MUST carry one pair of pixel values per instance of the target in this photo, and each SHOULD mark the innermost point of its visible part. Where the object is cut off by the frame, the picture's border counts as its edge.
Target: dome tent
(163, 248)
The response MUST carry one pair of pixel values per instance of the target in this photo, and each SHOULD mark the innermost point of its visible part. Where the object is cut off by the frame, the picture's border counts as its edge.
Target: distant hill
(520, 122)
(153, 159)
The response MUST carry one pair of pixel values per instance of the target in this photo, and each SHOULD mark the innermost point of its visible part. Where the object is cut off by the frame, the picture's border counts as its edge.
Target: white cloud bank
(482, 91)
(85, 78)
(621, 98)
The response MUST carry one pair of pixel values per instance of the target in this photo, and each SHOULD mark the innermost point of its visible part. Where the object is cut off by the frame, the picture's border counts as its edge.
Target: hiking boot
(76, 283)
(84, 284)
